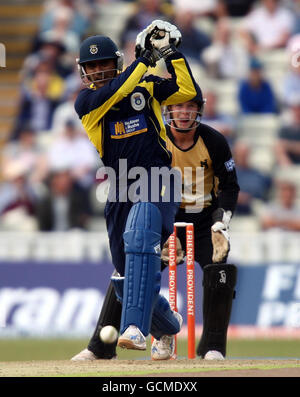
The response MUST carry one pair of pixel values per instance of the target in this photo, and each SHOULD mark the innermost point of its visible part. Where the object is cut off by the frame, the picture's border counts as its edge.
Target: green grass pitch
(63, 349)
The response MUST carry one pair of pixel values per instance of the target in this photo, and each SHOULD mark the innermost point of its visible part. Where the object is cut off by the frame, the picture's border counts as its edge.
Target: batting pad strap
(118, 283)
(142, 242)
(142, 239)
(143, 230)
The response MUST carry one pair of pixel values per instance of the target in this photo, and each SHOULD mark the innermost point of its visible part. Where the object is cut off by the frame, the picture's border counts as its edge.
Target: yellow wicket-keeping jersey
(208, 170)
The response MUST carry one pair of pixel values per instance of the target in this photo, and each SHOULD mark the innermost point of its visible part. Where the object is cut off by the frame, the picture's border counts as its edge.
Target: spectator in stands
(255, 94)
(50, 51)
(267, 26)
(17, 198)
(44, 66)
(62, 207)
(83, 12)
(39, 98)
(203, 8)
(283, 212)
(253, 183)
(128, 48)
(61, 30)
(71, 149)
(145, 12)
(27, 151)
(297, 16)
(225, 58)
(194, 41)
(291, 81)
(294, 6)
(287, 148)
(65, 112)
(221, 122)
(73, 83)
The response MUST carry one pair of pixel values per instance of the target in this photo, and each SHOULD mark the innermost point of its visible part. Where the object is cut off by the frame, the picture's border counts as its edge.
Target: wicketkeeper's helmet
(169, 113)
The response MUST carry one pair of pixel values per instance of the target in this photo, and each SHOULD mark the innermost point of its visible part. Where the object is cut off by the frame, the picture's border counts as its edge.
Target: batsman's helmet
(97, 48)
(199, 99)
(169, 113)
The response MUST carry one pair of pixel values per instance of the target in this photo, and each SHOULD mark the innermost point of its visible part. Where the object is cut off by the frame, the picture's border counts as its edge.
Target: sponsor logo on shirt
(229, 165)
(128, 127)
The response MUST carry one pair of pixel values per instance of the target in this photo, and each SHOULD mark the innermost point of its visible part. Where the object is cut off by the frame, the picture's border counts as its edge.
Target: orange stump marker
(190, 286)
(173, 277)
(190, 280)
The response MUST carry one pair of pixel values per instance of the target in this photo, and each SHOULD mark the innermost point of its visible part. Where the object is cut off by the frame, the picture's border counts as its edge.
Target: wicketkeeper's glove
(180, 254)
(220, 235)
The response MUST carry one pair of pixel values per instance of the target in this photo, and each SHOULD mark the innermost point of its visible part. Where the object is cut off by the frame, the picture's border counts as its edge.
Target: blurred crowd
(49, 167)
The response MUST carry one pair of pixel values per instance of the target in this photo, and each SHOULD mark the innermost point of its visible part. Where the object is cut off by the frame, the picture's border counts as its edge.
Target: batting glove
(143, 46)
(220, 235)
(165, 37)
(174, 33)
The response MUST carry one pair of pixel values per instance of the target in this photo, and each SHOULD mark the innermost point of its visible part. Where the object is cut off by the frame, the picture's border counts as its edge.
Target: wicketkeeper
(209, 198)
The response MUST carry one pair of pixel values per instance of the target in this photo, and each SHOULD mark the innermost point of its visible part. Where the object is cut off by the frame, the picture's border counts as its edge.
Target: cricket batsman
(121, 113)
(208, 201)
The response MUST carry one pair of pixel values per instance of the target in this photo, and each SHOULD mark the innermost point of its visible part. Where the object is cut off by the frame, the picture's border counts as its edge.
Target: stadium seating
(18, 24)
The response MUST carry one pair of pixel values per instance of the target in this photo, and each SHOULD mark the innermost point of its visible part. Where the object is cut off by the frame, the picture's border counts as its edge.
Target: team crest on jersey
(204, 164)
(137, 101)
(93, 49)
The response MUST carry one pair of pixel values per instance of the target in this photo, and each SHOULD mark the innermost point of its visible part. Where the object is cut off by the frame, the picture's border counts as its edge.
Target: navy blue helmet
(97, 48)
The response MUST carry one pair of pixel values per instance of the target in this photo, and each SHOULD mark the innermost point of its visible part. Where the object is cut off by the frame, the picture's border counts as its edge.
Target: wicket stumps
(190, 280)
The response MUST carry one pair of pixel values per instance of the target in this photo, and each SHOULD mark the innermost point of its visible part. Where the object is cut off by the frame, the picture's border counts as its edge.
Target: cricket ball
(108, 334)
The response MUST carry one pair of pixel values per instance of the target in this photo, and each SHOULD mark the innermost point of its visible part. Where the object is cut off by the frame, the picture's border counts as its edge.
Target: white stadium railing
(252, 248)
